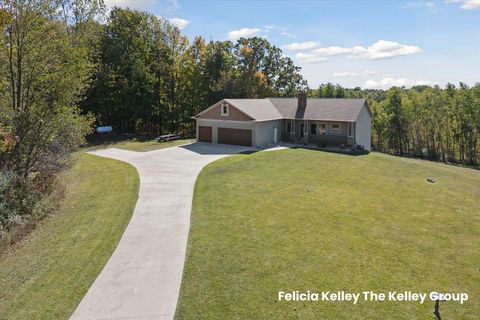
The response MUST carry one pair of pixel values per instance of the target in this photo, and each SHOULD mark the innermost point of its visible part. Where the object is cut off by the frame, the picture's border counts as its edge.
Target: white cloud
(381, 49)
(282, 30)
(271, 27)
(466, 4)
(384, 49)
(288, 34)
(346, 74)
(174, 5)
(354, 74)
(266, 31)
(309, 58)
(387, 82)
(331, 51)
(429, 5)
(297, 46)
(244, 32)
(179, 22)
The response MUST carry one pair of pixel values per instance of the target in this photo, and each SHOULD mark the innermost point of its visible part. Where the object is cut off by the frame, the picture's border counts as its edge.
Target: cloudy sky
(372, 44)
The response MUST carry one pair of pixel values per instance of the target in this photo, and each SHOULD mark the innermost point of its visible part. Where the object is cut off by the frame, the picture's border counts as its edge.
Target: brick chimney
(302, 100)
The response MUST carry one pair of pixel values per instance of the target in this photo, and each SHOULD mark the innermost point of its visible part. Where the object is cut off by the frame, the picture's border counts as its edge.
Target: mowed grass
(137, 143)
(47, 275)
(311, 220)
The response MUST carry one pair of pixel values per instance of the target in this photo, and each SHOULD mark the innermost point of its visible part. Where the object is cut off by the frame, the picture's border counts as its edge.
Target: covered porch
(320, 133)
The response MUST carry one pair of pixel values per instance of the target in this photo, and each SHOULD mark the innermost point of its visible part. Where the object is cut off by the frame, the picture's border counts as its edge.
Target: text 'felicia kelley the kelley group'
(355, 297)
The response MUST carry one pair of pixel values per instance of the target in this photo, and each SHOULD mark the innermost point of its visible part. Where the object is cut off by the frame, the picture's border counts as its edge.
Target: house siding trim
(363, 129)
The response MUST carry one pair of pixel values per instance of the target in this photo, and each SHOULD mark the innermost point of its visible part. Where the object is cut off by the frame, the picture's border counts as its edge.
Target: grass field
(47, 275)
(137, 143)
(310, 220)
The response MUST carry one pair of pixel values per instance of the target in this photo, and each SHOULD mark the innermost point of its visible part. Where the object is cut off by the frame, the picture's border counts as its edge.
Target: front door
(302, 129)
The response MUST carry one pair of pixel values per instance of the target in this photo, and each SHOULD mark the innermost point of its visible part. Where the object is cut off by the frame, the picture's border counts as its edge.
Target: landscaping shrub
(23, 203)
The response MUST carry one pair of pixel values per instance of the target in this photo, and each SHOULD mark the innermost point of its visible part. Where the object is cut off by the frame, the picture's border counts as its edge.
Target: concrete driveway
(141, 280)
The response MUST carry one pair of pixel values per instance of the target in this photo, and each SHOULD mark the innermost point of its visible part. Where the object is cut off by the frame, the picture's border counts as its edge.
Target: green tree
(44, 74)
(262, 71)
(396, 128)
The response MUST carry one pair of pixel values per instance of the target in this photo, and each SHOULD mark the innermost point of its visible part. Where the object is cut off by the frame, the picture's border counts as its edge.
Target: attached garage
(240, 137)
(205, 134)
(241, 122)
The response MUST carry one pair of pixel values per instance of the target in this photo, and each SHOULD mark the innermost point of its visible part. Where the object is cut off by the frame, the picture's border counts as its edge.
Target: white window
(335, 128)
(322, 128)
(225, 109)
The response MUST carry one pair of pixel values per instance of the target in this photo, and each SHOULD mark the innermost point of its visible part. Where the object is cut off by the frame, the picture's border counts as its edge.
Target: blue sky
(374, 44)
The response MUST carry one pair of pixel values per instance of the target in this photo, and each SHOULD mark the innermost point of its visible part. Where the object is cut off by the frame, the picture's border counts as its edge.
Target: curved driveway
(141, 280)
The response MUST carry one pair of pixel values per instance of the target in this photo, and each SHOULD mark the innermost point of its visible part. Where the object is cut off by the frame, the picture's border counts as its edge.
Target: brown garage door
(240, 137)
(205, 134)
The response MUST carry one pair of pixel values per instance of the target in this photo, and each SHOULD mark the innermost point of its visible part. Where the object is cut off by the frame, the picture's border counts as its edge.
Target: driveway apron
(141, 280)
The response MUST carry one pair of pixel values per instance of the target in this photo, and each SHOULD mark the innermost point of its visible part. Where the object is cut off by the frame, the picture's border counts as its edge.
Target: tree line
(66, 65)
(441, 124)
(152, 80)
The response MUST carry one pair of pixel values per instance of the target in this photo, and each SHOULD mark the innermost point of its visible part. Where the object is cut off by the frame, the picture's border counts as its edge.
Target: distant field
(131, 142)
(47, 275)
(311, 220)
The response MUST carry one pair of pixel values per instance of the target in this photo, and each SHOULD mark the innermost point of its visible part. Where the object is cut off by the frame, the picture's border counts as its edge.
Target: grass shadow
(351, 152)
(249, 152)
(106, 139)
(205, 148)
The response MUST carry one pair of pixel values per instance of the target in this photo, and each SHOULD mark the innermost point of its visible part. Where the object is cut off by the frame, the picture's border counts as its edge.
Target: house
(260, 122)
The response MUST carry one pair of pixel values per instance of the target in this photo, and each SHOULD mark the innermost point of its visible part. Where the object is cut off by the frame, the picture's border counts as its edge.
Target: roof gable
(258, 109)
(214, 112)
(255, 109)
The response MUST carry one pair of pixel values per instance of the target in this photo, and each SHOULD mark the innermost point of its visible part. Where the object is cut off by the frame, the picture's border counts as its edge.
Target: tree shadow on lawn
(351, 152)
(206, 148)
(106, 139)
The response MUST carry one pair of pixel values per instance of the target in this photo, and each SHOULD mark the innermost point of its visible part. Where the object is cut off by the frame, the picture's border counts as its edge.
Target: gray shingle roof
(258, 109)
(320, 108)
(317, 108)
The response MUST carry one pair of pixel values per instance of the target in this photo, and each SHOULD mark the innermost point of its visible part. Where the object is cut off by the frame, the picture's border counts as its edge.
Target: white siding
(264, 132)
(363, 129)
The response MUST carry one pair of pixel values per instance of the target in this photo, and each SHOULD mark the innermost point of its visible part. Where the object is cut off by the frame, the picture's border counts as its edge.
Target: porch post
(292, 132)
(286, 130)
(305, 130)
(350, 134)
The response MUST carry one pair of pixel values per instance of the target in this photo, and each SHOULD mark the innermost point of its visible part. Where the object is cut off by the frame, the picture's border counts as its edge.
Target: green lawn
(311, 220)
(131, 142)
(49, 273)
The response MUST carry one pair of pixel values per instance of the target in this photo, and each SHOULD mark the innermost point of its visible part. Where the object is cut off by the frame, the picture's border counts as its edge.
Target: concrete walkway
(141, 280)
